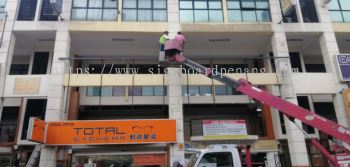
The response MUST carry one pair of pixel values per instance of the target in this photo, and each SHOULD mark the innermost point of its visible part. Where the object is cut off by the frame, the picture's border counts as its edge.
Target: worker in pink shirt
(180, 38)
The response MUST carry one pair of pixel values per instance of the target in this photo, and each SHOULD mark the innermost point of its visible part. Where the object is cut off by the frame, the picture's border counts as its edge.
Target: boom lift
(173, 54)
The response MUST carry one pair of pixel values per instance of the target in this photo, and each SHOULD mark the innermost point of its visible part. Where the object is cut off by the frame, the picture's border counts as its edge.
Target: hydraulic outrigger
(289, 109)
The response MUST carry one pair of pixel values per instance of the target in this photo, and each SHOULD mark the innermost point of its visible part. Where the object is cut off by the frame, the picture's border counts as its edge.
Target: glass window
(107, 91)
(147, 91)
(159, 15)
(233, 4)
(80, 3)
(229, 90)
(219, 159)
(109, 14)
(106, 10)
(234, 15)
(135, 90)
(248, 16)
(110, 3)
(159, 4)
(129, 15)
(201, 11)
(186, 16)
(346, 15)
(144, 15)
(145, 10)
(193, 90)
(336, 16)
(345, 4)
(186, 5)
(130, 4)
(215, 15)
(201, 15)
(2, 4)
(205, 90)
(27, 10)
(94, 14)
(184, 90)
(119, 91)
(220, 90)
(248, 3)
(79, 14)
(248, 10)
(262, 4)
(263, 15)
(93, 91)
(159, 91)
(95, 3)
(339, 10)
(145, 3)
(47, 13)
(333, 5)
(200, 5)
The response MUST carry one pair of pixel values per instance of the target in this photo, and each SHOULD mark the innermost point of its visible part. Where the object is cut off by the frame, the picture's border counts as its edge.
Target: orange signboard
(346, 96)
(36, 130)
(111, 132)
(149, 159)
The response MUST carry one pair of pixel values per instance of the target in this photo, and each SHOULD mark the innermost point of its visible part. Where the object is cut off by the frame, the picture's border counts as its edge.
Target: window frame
(208, 9)
(341, 10)
(137, 8)
(254, 9)
(87, 9)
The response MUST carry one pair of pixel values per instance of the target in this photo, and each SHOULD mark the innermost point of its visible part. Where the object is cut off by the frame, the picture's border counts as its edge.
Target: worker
(163, 39)
(180, 38)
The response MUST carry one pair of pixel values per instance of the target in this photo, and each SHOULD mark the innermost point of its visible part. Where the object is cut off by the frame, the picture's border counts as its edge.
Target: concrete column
(295, 137)
(176, 112)
(175, 87)
(329, 49)
(56, 96)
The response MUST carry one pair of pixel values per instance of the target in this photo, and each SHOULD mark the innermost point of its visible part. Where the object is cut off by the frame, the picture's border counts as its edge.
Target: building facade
(98, 60)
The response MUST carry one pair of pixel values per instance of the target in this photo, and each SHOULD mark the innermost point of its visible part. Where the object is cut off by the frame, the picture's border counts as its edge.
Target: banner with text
(225, 128)
(111, 132)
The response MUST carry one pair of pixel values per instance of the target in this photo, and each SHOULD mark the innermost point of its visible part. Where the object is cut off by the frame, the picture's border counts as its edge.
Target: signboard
(26, 85)
(343, 62)
(149, 159)
(346, 97)
(225, 128)
(36, 130)
(287, 6)
(111, 132)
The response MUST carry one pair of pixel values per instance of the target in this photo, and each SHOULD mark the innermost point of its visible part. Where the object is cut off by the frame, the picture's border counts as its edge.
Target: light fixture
(219, 40)
(295, 40)
(258, 109)
(123, 39)
(46, 40)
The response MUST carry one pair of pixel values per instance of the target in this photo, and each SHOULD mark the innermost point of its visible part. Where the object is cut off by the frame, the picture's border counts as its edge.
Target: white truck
(215, 156)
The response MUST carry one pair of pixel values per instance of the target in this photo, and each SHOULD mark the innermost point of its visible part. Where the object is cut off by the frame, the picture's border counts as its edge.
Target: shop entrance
(121, 160)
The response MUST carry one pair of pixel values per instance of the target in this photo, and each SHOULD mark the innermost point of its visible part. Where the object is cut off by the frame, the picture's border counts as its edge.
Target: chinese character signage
(235, 129)
(36, 130)
(344, 67)
(111, 132)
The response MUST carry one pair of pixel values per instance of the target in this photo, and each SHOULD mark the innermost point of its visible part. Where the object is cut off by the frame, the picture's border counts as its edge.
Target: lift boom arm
(326, 126)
